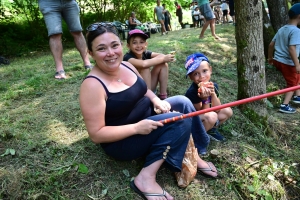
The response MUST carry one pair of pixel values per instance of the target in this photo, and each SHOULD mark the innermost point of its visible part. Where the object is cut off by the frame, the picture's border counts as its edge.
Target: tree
(278, 8)
(268, 31)
(250, 57)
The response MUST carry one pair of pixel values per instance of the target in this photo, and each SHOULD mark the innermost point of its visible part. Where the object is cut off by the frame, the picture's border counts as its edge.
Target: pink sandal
(163, 96)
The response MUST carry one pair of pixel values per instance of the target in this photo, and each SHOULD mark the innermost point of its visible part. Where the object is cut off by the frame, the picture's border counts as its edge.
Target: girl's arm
(164, 106)
(155, 60)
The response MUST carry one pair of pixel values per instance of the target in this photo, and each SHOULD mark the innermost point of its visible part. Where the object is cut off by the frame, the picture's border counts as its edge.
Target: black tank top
(128, 106)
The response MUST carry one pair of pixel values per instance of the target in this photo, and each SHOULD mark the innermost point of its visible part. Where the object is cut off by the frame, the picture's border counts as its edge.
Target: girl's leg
(160, 74)
(162, 26)
(207, 22)
(146, 75)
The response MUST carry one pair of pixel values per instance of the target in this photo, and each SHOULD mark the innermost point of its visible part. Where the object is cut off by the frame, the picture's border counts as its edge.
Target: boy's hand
(270, 61)
(298, 68)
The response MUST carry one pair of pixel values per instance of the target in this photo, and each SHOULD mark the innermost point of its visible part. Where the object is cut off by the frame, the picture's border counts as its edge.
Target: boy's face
(202, 73)
(137, 45)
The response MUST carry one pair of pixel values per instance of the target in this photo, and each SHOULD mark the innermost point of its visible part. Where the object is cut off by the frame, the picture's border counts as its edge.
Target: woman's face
(107, 51)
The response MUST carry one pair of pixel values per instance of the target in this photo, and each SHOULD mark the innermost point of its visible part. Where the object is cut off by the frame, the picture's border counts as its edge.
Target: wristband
(207, 101)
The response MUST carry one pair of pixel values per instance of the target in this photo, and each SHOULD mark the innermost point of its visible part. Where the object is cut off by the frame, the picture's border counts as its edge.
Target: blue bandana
(193, 61)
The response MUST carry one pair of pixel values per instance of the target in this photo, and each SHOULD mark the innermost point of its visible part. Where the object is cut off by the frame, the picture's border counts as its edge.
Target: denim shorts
(53, 12)
(207, 12)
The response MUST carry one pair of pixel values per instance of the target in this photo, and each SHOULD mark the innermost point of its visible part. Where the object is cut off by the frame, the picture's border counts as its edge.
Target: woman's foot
(60, 75)
(216, 37)
(149, 189)
(207, 168)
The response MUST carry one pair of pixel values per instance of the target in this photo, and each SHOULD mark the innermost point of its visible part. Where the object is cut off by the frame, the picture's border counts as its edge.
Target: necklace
(119, 80)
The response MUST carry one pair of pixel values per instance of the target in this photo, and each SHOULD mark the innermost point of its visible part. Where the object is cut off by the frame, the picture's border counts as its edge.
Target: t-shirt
(225, 6)
(196, 14)
(202, 2)
(192, 8)
(192, 93)
(146, 55)
(178, 10)
(286, 36)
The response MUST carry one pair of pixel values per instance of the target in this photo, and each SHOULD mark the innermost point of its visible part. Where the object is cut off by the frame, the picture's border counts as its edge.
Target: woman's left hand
(162, 105)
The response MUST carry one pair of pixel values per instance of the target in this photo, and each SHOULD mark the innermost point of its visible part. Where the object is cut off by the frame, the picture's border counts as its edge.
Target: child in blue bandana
(205, 94)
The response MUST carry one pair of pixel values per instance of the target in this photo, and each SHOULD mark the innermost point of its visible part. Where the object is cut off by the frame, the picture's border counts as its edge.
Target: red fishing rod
(231, 104)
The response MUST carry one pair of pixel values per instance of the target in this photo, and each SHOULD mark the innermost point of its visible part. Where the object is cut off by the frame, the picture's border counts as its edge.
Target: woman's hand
(146, 126)
(163, 106)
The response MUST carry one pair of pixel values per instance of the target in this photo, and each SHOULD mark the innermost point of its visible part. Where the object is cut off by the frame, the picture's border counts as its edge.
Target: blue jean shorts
(207, 12)
(56, 10)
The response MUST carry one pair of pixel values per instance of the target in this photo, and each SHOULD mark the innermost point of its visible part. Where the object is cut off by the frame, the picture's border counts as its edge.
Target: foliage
(41, 124)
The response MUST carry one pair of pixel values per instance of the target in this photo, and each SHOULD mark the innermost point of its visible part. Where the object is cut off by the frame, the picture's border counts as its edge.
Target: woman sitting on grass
(118, 111)
(143, 59)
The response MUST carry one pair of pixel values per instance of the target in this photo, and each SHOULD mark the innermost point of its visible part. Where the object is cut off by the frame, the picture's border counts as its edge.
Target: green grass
(41, 120)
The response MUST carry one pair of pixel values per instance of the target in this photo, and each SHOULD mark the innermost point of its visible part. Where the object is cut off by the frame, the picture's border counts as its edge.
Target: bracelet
(207, 101)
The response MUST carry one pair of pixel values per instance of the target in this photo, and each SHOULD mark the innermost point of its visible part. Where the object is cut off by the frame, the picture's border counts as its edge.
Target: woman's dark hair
(96, 29)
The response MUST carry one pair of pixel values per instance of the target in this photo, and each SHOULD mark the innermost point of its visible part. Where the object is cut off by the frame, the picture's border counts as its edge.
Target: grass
(46, 154)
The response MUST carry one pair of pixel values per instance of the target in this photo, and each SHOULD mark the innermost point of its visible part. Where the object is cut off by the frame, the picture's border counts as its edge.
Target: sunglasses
(95, 26)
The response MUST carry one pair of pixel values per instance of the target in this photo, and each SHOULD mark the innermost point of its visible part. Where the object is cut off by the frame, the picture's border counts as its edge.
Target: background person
(209, 16)
(53, 12)
(117, 109)
(179, 13)
(133, 22)
(168, 18)
(160, 14)
(286, 44)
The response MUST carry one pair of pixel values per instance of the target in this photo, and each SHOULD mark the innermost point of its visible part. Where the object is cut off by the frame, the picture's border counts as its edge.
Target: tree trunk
(250, 56)
(268, 31)
(278, 11)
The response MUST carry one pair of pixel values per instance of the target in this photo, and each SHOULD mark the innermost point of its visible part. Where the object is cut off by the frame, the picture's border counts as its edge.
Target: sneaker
(287, 109)
(215, 135)
(296, 99)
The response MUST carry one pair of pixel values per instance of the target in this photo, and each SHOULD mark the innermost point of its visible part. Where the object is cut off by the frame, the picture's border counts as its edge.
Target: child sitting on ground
(204, 94)
(143, 59)
(286, 44)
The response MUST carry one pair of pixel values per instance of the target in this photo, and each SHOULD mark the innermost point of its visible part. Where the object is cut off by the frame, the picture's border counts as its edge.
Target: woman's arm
(93, 103)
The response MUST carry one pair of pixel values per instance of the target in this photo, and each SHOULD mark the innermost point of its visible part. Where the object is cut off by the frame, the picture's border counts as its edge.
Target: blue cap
(295, 9)
(193, 61)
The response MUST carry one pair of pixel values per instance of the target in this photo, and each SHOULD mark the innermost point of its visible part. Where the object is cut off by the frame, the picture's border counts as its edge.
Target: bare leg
(207, 22)
(288, 96)
(56, 50)
(213, 29)
(162, 23)
(159, 74)
(81, 47)
(146, 74)
(224, 114)
(145, 181)
(209, 120)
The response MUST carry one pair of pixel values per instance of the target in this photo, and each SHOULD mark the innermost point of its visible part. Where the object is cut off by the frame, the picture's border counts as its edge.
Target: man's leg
(81, 47)
(56, 50)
